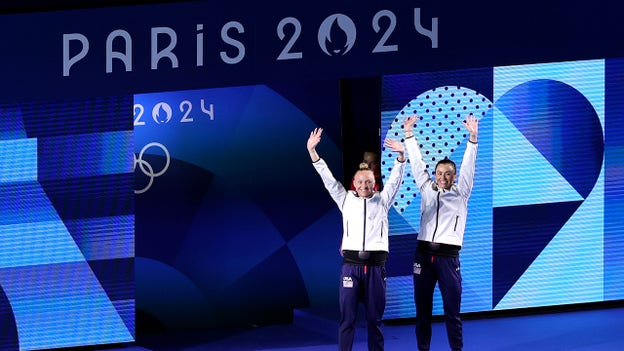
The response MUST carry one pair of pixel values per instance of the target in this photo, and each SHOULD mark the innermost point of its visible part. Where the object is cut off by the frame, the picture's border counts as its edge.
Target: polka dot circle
(439, 128)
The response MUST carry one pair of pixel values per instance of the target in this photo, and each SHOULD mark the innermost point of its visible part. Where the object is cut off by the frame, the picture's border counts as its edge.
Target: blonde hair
(364, 167)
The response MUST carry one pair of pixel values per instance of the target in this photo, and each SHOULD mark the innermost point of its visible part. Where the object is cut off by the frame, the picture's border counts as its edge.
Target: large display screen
(541, 229)
(66, 224)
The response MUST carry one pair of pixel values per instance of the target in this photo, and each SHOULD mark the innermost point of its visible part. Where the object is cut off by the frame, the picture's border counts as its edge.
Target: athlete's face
(364, 182)
(445, 176)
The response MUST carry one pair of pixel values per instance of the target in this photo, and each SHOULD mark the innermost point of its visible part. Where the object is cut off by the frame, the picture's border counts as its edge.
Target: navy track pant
(366, 284)
(429, 270)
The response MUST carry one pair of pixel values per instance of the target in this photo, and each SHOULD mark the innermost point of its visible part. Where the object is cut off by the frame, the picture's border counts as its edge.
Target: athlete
(444, 207)
(364, 241)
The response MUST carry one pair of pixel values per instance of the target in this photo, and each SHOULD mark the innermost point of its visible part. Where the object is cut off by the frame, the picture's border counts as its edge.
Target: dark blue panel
(11, 123)
(101, 196)
(116, 277)
(614, 180)
(520, 233)
(275, 279)
(84, 155)
(77, 116)
(8, 329)
(238, 189)
(163, 226)
(402, 88)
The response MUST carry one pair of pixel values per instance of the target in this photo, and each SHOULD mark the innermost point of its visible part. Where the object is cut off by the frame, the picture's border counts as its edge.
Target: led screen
(538, 233)
(67, 224)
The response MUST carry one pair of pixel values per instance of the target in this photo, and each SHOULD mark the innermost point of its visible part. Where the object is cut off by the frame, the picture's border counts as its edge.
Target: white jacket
(364, 220)
(442, 212)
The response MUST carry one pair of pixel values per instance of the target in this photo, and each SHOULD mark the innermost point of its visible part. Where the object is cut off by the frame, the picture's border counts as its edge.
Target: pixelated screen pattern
(67, 224)
(538, 202)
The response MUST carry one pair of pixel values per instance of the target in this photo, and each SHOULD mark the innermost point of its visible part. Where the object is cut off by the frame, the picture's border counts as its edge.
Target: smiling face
(364, 183)
(445, 174)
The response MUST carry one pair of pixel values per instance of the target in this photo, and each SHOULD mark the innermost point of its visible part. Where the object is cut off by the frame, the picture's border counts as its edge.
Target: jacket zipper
(364, 229)
(435, 231)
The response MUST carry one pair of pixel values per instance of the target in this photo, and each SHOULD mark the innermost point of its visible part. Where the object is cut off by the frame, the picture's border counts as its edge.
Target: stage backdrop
(231, 215)
(232, 224)
(67, 224)
(540, 229)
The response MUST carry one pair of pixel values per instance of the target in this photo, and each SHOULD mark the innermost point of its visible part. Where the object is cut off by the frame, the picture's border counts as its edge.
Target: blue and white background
(67, 224)
(209, 213)
(539, 231)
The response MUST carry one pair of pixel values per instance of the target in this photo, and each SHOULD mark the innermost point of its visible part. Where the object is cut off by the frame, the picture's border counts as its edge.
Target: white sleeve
(336, 190)
(419, 167)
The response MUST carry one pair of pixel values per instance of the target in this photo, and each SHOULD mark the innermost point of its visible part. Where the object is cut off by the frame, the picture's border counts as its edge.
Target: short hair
(447, 161)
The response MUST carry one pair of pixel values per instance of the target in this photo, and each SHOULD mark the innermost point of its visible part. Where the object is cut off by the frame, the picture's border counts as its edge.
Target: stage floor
(583, 330)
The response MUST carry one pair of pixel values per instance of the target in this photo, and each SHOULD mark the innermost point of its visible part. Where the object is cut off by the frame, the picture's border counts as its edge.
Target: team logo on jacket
(347, 282)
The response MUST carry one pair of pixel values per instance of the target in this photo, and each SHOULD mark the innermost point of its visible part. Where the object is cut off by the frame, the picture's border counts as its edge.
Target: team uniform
(365, 250)
(436, 260)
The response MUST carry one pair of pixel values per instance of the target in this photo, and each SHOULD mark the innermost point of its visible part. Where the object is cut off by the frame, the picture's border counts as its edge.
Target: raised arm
(472, 124)
(408, 125)
(313, 140)
(419, 168)
(467, 172)
(396, 146)
(394, 181)
(336, 190)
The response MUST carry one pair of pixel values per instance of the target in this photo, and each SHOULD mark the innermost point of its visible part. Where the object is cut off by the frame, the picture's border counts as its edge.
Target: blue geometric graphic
(65, 193)
(534, 168)
(562, 124)
(538, 233)
(520, 235)
(540, 201)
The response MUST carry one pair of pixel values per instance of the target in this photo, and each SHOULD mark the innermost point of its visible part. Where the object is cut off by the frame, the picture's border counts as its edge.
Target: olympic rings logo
(146, 168)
